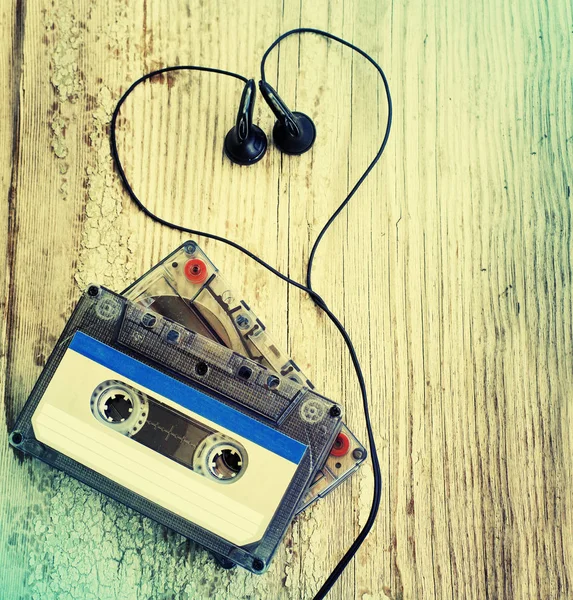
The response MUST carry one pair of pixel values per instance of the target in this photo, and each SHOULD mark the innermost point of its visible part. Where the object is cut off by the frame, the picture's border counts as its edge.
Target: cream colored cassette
(188, 288)
(178, 427)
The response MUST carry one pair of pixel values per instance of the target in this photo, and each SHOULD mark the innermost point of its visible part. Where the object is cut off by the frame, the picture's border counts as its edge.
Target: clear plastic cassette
(180, 428)
(187, 288)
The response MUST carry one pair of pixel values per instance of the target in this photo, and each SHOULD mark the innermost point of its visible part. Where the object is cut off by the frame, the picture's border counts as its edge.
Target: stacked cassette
(173, 399)
(188, 288)
(178, 427)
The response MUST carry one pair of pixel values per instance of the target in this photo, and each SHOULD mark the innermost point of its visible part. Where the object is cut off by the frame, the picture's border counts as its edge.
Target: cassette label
(176, 485)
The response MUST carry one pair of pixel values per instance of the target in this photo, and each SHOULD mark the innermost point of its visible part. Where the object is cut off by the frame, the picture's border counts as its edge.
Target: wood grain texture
(451, 270)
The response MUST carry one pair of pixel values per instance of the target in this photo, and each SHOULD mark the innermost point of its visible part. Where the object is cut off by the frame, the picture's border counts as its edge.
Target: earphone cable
(332, 578)
(337, 571)
(382, 145)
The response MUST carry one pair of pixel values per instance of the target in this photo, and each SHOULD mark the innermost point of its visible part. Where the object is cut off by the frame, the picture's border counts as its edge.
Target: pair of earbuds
(246, 143)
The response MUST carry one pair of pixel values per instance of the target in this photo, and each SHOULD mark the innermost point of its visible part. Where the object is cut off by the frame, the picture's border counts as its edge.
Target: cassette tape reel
(178, 427)
(187, 288)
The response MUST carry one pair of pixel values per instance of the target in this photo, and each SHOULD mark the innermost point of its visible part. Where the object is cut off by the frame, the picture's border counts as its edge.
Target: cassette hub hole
(118, 408)
(273, 382)
(226, 463)
(148, 320)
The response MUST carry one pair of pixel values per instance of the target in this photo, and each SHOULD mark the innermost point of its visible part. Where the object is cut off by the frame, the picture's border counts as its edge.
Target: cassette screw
(190, 247)
(357, 453)
(93, 291)
(335, 411)
(258, 564)
(16, 438)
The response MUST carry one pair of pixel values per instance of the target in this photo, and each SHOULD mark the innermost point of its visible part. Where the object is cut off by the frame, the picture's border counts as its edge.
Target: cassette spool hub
(119, 407)
(221, 459)
(196, 270)
(341, 445)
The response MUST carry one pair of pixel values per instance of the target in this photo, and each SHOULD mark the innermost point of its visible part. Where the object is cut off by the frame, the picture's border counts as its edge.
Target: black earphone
(246, 144)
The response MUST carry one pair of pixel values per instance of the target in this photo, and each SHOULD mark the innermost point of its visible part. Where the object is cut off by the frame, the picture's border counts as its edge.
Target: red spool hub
(341, 445)
(196, 270)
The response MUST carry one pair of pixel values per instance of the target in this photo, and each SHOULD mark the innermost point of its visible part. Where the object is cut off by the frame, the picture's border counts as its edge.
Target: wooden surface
(451, 270)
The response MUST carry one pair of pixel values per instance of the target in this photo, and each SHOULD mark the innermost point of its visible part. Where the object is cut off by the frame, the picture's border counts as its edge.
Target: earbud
(246, 143)
(294, 132)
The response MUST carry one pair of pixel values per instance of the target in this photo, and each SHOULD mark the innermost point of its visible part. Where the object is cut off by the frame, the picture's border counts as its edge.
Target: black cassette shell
(289, 408)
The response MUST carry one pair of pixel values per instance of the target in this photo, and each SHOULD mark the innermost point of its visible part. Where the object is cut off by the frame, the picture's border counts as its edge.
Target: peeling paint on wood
(107, 238)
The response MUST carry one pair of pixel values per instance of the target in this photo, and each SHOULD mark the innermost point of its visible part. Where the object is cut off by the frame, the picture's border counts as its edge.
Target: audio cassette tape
(189, 289)
(180, 428)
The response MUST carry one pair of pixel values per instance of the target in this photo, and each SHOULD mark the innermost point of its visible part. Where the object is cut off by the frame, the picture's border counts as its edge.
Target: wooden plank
(10, 63)
(451, 270)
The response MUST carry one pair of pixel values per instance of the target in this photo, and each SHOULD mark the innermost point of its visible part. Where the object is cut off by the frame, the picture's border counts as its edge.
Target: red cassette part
(341, 445)
(196, 270)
